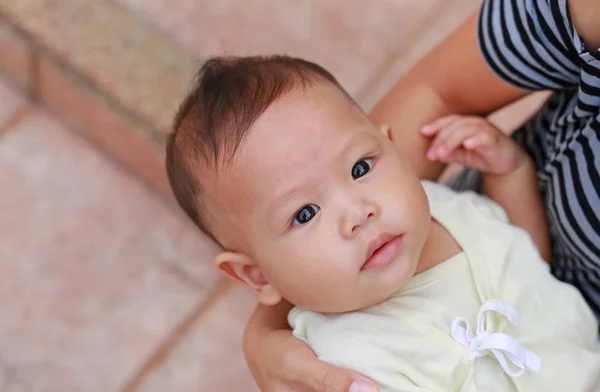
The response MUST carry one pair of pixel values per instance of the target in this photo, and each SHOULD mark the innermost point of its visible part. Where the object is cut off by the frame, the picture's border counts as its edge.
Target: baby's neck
(439, 247)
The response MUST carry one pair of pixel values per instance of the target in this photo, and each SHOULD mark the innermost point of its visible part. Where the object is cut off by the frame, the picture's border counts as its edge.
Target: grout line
(412, 40)
(165, 348)
(14, 119)
(183, 275)
(33, 75)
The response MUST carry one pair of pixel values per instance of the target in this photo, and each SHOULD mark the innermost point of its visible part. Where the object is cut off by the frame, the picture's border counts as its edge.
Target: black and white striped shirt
(533, 44)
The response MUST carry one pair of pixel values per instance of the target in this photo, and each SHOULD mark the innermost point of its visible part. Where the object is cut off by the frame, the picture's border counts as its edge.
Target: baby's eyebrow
(355, 142)
(282, 197)
(273, 214)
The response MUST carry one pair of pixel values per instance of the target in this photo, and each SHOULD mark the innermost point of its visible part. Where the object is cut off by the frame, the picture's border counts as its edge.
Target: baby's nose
(359, 217)
(369, 216)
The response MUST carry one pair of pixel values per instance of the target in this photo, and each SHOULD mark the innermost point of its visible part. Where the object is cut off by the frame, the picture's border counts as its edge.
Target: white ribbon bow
(501, 345)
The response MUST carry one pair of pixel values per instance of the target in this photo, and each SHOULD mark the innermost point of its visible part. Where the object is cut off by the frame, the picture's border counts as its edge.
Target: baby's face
(322, 202)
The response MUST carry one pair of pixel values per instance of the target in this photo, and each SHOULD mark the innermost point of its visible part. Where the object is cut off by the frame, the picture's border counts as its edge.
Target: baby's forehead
(307, 126)
(318, 115)
(293, 150)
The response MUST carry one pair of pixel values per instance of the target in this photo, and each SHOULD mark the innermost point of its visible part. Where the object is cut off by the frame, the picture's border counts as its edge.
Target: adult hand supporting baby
(280, 362)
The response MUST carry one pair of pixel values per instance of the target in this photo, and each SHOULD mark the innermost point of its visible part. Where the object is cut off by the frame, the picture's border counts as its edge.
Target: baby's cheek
(322, 283)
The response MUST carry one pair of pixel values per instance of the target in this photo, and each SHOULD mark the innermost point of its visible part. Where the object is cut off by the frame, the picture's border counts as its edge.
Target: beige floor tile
(210, 358)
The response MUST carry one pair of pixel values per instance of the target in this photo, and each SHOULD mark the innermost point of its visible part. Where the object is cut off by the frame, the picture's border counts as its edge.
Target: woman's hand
(280, 362)
(473, 142)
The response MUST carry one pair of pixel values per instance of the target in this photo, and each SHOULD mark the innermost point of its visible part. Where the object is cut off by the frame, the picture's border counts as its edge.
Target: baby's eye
(305, 214)
(362, 167)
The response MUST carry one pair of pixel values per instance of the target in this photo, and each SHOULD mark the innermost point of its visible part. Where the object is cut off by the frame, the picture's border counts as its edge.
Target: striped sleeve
(531, 44)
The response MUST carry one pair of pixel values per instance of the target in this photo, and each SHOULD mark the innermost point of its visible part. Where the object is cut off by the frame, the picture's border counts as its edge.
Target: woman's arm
(452, 78)
(586, 16)
(518, 194)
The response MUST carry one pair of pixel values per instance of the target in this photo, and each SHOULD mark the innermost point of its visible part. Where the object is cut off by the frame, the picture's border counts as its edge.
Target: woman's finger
(466, 158)
(479, 140)
(453, 131)
(435, 126)
(454, 138)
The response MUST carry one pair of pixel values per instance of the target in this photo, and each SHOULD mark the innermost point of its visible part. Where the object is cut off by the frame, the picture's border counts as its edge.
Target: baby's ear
(386, 130)
(242, 268)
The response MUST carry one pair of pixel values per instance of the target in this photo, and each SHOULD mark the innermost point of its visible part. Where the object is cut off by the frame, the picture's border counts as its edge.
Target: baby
(412, 284)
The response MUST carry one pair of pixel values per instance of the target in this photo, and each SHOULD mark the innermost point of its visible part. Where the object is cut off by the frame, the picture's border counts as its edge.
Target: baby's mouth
(382, 250)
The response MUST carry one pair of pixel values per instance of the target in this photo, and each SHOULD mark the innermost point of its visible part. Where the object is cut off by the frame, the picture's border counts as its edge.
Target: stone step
(114, 77)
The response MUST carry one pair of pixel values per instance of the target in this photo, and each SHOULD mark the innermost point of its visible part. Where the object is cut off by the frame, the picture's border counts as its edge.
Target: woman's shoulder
(532, 44)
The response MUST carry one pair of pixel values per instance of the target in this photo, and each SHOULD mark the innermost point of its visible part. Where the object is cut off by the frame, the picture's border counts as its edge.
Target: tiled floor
(103, 285)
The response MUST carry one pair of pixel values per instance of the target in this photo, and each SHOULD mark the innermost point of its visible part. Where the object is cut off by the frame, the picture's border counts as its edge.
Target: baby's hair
(227, 96)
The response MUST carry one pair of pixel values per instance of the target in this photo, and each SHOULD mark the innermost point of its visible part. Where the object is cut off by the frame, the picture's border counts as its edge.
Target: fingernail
(426, 128)
(361, 386)
(431, 154)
